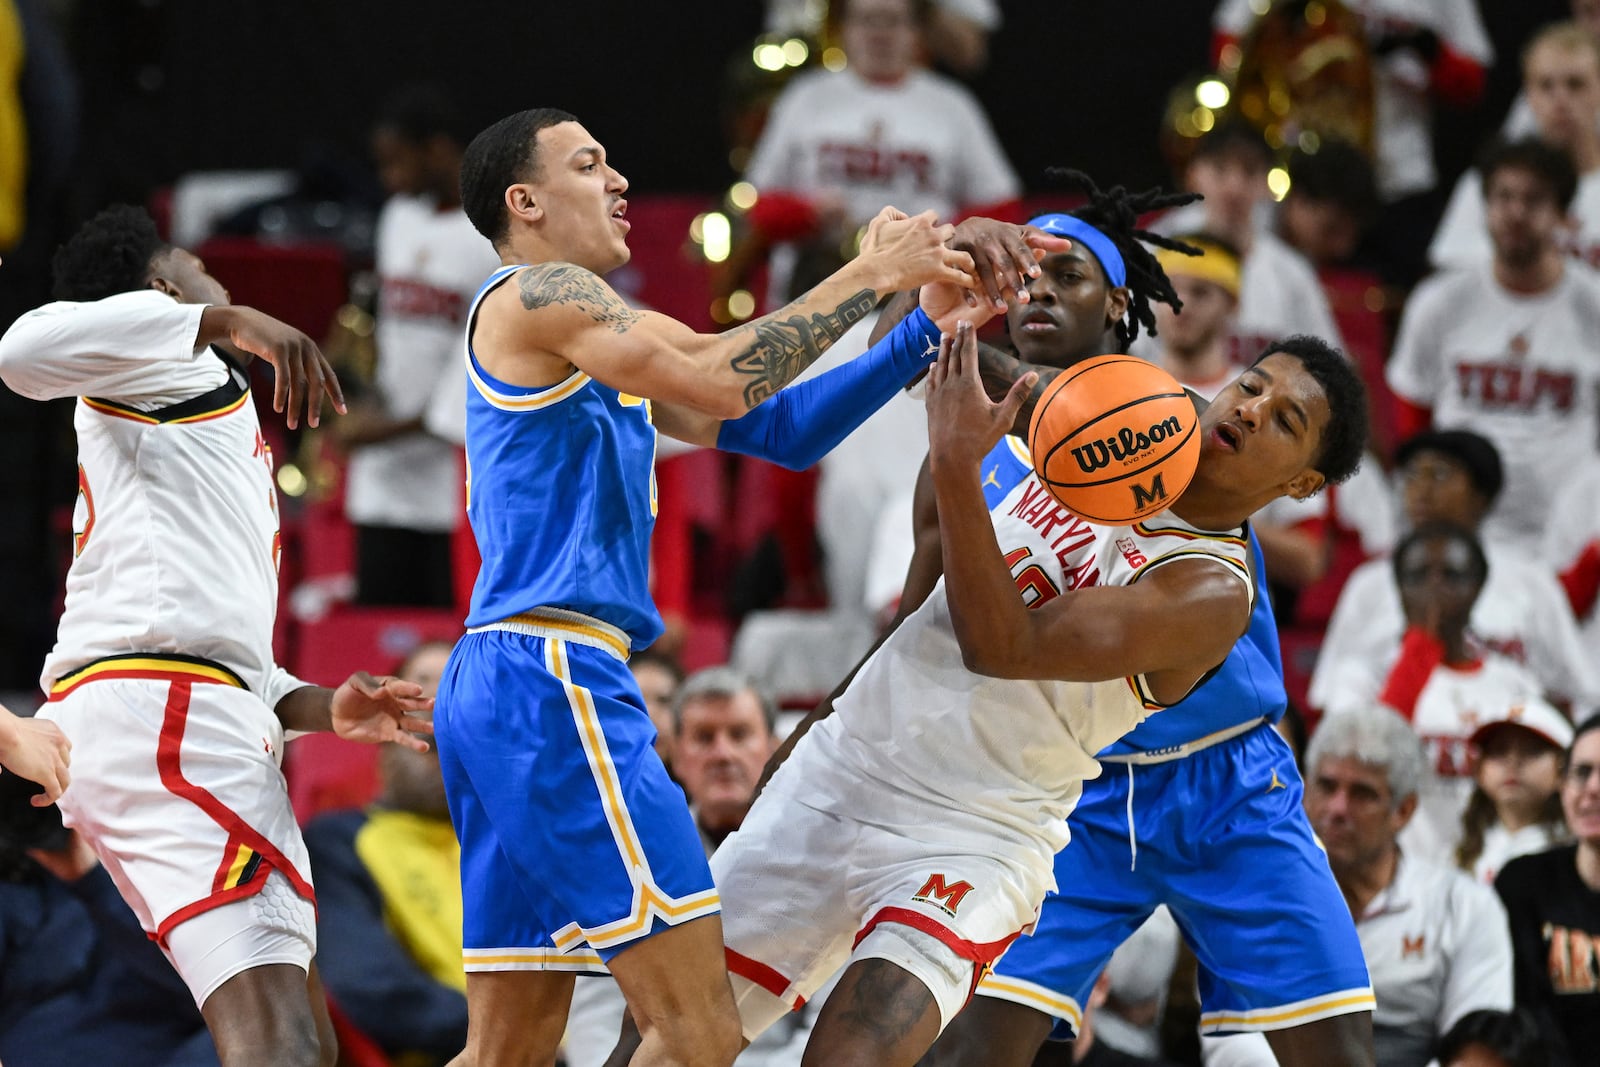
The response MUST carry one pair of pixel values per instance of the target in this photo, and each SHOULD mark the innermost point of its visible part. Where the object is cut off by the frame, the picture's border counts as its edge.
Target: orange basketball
(1114, 439)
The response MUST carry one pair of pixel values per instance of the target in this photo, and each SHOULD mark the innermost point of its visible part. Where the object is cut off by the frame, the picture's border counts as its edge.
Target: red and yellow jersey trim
(123, 411)
(152, 665)
(1189, 535)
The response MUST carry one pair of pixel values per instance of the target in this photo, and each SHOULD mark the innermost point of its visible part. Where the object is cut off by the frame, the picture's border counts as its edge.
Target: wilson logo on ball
(1114, 439)
(1125, 445)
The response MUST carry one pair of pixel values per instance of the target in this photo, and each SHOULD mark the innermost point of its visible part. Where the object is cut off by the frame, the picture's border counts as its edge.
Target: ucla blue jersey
(561, 496)
(1248, 685)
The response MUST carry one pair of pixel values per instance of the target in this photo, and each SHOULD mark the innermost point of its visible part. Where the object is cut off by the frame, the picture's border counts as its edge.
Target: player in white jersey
(1561, 77)
(911, 834)
(162, 675)
(1507, 349)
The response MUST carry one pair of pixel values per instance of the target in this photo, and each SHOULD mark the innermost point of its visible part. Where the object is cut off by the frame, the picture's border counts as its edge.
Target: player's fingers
(280, 381)
(401, 688)
(956, 276)
(1007, 412)
(415, 744)
(313, 390)
(1043, 243)
(967, 349)
(364, 683)
(330, 383)
(961, 261)
(945, 232)
(416, 724)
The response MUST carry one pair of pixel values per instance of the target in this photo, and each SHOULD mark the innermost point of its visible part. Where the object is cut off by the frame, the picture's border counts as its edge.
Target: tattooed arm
(558, 318)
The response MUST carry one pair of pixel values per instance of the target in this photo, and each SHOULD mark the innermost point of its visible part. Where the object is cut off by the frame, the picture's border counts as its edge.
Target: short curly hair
(111, 253)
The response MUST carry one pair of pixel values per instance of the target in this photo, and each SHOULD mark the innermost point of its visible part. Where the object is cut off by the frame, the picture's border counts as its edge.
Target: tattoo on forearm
(564, 283)
(999, 370)
(886, 1002)
(780, 348)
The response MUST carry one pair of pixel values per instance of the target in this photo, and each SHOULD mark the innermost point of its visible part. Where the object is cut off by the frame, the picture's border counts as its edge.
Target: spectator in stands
(1572, 545)
(1442, 681)
(389, 901)
(1553, 900)
(1561, 77)
(1507, 349)
(1493, 1039)
(79, 980)
(1454, 476)
(1422, 53)
(659, 676)
(1515, 806)
(1436, 943)
(1279, 293)
(837, 147)
(723, 728)
(1331, 203)
(1195, 346)
(957, 33)
(403, 490)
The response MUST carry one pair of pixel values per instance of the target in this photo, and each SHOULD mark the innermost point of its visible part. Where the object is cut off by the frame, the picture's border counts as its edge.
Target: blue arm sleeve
(799, 425)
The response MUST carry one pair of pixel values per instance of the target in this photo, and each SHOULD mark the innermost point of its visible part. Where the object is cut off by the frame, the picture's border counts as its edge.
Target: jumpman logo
(990, 479)
(1275, 783)
(932, 349)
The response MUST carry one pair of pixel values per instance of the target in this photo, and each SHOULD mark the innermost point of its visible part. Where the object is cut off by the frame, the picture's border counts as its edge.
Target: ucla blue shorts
(574, 841)
(1220, 838)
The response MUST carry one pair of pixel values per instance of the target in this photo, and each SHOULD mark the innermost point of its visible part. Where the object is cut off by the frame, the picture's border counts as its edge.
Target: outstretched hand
(301, 373)
(963, 423)
(374, 710)
(1005, 258)
(910, 250)
(37, 750)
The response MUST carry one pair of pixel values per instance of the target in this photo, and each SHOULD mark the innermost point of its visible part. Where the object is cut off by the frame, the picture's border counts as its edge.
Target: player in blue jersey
(578, 851)
(1199, 807)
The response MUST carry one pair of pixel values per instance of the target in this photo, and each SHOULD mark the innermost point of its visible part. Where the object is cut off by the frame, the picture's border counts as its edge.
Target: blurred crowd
(1439, 624)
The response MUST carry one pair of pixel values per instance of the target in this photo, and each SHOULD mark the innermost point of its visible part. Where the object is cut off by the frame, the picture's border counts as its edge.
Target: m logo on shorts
(947, 898)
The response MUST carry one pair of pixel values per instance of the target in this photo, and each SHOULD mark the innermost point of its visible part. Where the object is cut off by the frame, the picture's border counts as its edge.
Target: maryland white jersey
(175, 534)
(1002, 760)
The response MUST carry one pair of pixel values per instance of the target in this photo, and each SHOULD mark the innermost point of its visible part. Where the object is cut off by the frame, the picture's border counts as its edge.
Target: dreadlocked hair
(1115, 212)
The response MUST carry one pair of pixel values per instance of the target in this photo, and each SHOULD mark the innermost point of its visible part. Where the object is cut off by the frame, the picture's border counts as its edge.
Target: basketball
(1114, 439)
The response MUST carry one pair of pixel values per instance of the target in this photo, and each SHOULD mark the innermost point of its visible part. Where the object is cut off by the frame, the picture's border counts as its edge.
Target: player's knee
(711, 1038)
(282, 1042)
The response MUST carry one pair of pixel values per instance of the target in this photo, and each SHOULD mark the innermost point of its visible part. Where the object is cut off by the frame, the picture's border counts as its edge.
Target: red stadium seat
(326, 772)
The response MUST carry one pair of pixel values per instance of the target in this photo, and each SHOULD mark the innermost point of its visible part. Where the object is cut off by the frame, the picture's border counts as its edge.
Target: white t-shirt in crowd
(1520, 369)
(1455, 702)
(430, 264)
(1403, 123)
(1462, 239)
(922, 144)
(1501, 846)
(1521, 613)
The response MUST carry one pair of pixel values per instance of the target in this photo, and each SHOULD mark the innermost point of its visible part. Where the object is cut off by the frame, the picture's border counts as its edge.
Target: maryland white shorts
(806, 891)
(176, 786)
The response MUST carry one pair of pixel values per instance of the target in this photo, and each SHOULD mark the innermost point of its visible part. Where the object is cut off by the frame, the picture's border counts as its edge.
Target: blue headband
(1104, 250)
